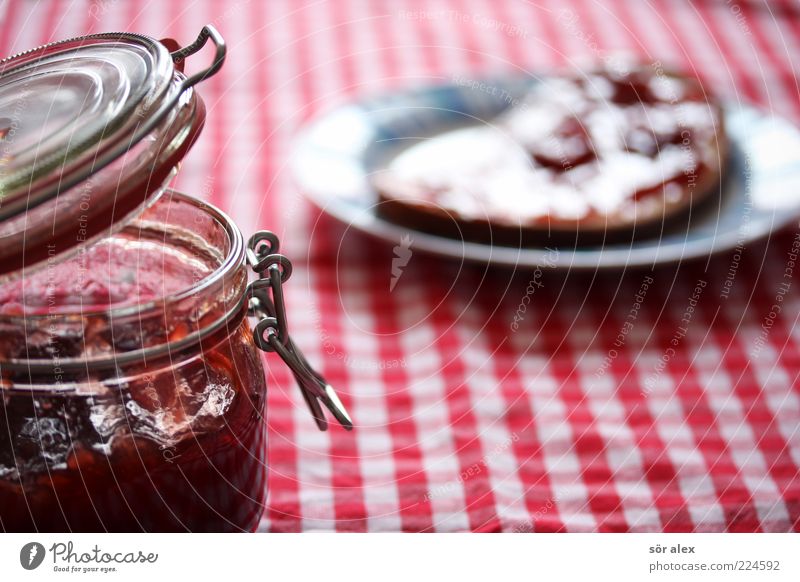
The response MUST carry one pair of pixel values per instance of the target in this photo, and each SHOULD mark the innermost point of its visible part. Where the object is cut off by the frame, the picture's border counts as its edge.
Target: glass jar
(132, 386)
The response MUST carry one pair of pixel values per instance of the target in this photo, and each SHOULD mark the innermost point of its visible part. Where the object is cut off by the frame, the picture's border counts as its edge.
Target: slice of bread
(602, 157)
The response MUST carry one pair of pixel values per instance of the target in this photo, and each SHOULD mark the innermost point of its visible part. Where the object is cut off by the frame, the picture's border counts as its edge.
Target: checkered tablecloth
(645, 401)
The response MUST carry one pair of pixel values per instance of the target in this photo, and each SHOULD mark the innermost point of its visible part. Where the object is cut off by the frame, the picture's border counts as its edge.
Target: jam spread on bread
(590, 157)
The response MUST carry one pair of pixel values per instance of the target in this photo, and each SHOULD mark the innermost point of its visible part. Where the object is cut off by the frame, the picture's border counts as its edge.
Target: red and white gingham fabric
(568, 423)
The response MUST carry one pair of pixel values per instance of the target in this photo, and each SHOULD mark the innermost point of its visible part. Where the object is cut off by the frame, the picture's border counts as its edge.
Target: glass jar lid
(91, 128)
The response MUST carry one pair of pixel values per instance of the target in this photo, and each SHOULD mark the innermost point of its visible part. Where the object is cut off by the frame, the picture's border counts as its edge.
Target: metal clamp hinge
(207, 32)
(271, 333)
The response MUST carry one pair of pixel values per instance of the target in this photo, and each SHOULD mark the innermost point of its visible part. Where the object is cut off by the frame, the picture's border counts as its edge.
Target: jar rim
(233, 259)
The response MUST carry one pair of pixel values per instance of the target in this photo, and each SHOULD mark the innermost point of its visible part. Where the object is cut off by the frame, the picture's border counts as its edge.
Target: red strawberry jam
(90, 441)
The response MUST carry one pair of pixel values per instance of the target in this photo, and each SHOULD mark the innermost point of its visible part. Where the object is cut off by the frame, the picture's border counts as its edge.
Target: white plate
(334, 155)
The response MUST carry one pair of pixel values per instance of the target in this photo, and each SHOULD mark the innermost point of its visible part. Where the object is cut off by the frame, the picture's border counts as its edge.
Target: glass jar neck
(169, 281)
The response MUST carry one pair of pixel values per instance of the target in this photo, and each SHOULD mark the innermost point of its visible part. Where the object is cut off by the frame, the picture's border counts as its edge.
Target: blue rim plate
(333, 157)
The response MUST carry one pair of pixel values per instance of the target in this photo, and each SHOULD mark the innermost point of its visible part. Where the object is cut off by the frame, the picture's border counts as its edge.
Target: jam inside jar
(172, 441)
(132, 393)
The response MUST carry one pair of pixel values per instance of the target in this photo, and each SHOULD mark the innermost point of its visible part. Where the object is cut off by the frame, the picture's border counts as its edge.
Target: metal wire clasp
(271, 333)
